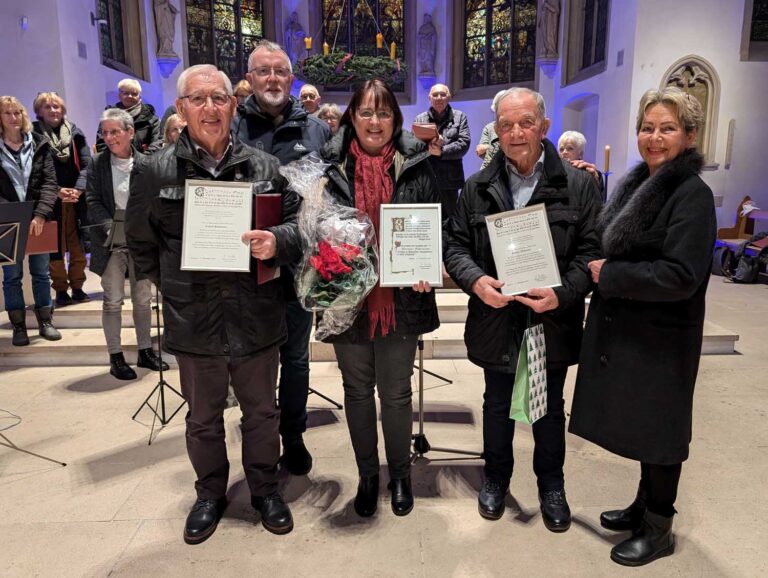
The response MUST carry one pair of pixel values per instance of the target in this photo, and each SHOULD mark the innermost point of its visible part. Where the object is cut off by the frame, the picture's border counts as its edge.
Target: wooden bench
(744, 228)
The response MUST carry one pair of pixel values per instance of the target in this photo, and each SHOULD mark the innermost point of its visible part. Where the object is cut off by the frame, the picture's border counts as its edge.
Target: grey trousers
(204, 385)
(387, 364)
(113, 283)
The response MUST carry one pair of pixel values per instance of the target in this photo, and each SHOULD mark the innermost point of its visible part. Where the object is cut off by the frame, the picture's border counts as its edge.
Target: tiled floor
(118, 507)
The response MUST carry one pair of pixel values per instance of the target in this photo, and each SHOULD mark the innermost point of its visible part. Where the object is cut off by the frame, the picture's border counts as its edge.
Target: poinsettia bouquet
(340, 263)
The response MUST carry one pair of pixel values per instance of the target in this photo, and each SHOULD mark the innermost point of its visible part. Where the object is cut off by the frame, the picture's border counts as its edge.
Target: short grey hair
(496, 99)
(329, 109)
(269, 46)
(519, 90)
(129, 83)
(201, 69)
(689, 111)
(573, 136)
(118, 114)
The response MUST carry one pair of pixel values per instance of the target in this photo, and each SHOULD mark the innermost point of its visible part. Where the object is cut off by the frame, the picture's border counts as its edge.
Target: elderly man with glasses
(272, 121)
(222, 327)
(310, 98)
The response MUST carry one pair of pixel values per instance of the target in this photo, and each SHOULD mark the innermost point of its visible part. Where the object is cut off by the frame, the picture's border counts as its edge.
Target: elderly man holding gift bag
(530, 172)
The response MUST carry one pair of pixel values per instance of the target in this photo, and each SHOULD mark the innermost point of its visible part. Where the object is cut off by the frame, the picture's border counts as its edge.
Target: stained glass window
(111, 32)
(499, 42)
(759, 30)
(350, 26)
(595, 32)
(222, 32)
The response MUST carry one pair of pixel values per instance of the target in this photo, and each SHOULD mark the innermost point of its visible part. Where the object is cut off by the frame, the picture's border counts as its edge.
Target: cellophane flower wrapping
(340, 264)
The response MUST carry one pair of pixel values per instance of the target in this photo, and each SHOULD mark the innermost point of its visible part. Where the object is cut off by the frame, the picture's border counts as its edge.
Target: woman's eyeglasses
(367, 114)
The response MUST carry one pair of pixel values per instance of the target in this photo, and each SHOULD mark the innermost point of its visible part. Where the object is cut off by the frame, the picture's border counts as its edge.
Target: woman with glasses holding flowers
(373, 162)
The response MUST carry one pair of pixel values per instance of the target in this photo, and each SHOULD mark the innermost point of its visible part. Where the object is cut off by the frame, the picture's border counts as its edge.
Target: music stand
(421, 445)
(14, 229)
(9, 444)
(162, 415)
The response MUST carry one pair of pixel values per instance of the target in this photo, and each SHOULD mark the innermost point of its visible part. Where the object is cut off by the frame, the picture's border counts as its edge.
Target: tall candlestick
(379, 40)
(607, 158)
(308, 42)
(326, 48)
(392, 51)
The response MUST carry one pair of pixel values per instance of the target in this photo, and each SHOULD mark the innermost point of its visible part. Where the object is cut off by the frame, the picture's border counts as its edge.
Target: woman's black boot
(629, 518)
(402, 496)
(653, 540)
(367, 498)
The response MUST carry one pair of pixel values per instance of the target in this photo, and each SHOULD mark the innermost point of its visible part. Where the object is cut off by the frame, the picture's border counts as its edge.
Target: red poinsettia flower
(328, 262)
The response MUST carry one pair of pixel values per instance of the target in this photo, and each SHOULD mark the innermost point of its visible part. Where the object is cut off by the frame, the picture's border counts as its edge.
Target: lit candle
(326, 48)
(392, 51)
(607, 158)
(379, 40)
(308, 42)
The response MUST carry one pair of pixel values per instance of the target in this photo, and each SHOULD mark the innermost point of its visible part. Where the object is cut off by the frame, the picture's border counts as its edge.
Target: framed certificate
(410, 245)
(216, 214)
(523, 251)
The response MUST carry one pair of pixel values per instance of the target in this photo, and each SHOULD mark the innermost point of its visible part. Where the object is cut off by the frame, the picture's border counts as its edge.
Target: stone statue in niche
(548, 28)
(693, 80)
(293, 40)
(165, 24)
(427, 48)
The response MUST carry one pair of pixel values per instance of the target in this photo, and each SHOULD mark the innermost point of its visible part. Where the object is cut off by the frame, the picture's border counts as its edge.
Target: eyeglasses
(380, 114)
(439, 95)
(308, 97)
(265, 71)
(217, 98)
(111, 133)
(133, 93)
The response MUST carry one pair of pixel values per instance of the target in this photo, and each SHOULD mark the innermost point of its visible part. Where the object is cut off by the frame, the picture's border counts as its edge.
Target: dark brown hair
(383, 97)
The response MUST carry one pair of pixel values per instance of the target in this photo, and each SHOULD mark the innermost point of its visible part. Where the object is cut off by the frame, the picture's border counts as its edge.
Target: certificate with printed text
(410, 245)
(216, 214)
(523, 251)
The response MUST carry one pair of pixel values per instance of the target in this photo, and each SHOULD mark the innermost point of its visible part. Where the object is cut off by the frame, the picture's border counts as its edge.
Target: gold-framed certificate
(410, 245)
(523, 251)
(216, 214)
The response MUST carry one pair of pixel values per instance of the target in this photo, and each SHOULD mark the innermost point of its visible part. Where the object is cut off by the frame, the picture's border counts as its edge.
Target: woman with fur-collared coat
(642, 341)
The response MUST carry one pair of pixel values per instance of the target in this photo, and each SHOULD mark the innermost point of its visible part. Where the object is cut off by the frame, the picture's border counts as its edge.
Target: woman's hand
(594, 268)
(422, 287)
(481, 149)
(36, 226)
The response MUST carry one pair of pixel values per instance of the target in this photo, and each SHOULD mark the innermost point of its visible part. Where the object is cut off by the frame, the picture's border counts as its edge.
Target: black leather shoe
(490, 501)
(119, 368)
(80, 296)
(629, 518)
(149, 360)
(203, 519)
(402, 496)
(275, 513)
(651, 541)
(296, 458)
(554, 510)
(367, 498)
(63, 299)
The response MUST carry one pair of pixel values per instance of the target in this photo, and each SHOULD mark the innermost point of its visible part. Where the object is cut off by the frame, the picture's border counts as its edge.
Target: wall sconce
(24, 23)
(99, 21)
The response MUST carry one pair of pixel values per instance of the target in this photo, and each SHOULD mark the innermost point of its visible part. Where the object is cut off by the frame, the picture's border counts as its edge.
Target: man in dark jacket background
(448, 149)
(527, 171)
(222, 326)
(274, 122)
(147, 135)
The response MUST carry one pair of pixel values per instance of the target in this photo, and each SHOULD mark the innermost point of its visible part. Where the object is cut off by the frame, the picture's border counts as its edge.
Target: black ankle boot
(45, 323)
(80, 296)
(63, 299)
(149, 360)
(18, 319)
(119, 368)
(402, 496)
(203, 519)
(275, 513)
(653, 540)
(490, 500)
(629, 518)
(367, 498)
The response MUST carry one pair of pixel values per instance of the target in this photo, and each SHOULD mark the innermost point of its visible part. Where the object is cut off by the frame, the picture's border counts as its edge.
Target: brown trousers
(204, 384)
(70, 242)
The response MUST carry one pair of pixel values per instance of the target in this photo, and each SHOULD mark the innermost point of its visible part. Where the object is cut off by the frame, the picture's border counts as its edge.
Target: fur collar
(638, 200)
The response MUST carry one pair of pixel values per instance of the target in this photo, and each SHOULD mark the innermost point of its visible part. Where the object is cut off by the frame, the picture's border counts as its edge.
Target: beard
(272, 99)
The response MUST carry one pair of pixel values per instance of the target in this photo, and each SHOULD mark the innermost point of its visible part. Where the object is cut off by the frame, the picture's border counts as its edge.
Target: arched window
(221, 32)
(588, 22)
(120, 37)
(754, 36)
(499, 42)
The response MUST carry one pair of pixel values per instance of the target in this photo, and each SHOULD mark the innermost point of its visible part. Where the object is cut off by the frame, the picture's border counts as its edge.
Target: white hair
(496, 99)
(518, 90)
(129, 83)
(573, 136)
(201, 69)
(118, 114)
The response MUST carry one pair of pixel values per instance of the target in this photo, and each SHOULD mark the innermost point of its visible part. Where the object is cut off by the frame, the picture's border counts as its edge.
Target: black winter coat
(493, 336)
(414, 182)
(71, 175)
(147, 137)
(207, 313)
(42, 188)
(454, 128)
(642, 342)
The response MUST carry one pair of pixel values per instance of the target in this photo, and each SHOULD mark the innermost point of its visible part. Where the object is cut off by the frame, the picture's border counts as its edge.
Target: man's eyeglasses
(367, 114)
(217, 98)
(265, 71)
(308, 96)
